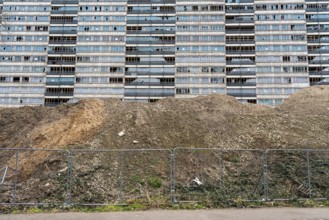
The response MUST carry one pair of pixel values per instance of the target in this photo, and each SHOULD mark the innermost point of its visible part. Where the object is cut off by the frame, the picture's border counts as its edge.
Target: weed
(154, 182)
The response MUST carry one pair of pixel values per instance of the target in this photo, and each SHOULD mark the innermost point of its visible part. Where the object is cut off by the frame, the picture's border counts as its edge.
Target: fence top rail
(122, 150)
(219, 149)
(300, 150)
(160, 149)
(34, 149)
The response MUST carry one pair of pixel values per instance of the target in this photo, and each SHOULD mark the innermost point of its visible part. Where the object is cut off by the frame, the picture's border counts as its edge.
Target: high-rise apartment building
(259, 51)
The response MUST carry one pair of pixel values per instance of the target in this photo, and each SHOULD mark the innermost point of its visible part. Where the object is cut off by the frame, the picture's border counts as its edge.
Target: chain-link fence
(160, 176)
(32, 176)
(117, 176)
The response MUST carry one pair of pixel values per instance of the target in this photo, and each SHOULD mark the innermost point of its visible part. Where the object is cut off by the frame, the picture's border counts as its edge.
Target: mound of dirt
(210, 121)
(302, 121)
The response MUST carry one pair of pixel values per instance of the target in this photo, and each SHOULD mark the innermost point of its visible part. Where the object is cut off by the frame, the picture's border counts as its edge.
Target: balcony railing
(238, 42)
(151, 22)
(241, 84)
(237, 31)
(63, 32)
(137, 12)
(60, 83)
(241, 73)
(61, 52)
(240, 52)
(319, 73)
(63, 42)
(64, 22)
(59, 94)
(150, 42)
(140, 84)
(65, 12)
(228, 62)
(151, 1)
(73, 2)
(242, 94)
(233, 11)
(66, 73)
(149, 63)
(150, 52)
(128, 73)
(61, 62)
(138, 94)
(152, 32)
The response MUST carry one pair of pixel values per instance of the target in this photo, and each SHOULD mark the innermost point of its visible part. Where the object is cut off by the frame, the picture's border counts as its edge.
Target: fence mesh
(288, 174)
(33, 179)
(199, 180)
(115, 177)
(319, 168)
(160, 176)
(222, 175)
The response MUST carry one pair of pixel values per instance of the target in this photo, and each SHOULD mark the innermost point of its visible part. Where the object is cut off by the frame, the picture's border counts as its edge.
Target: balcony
(239, 42)
(67, 12)
(61, 2)
(66, 73)
(139, 94)
(316, 9)
(246, 84)
(241, 73)
(138, 12)
(242, 94)
(59, 94)
(61, 62)
(62, 52)
(317, 20)
(151, 22)
(318, 62)
(317, 30)
(230, 62)
(155, 32)
(239, 11)
(318, 51)
(150, 63)
(240, 51)
(150, 52)
(150, 42)
(239, 21)
(237, 31)
(63, 32)
(64, 22)
(62, 83)
(151, 2)
(320, 73)
(62, 42)
(133, 73)
(140, 83)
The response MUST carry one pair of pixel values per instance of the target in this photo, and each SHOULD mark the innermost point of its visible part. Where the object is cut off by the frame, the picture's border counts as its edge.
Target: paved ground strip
(218, 214)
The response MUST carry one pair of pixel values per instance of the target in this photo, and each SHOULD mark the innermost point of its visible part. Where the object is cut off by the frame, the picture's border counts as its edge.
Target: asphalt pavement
(217, 214)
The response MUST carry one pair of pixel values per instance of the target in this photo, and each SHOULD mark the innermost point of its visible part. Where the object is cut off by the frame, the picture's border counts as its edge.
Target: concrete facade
(259, 51)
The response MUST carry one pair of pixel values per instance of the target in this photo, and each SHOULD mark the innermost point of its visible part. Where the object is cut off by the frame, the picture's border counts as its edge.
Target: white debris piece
(135, 142)
(197, 181)
(121, 133)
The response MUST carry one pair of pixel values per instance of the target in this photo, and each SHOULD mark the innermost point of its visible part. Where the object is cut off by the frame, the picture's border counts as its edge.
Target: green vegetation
(154, 182)
(139, 206)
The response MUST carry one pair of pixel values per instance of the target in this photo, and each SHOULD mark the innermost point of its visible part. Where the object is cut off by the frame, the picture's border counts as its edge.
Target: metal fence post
(265, 172)
(16, 177)
(68, 199)
(309, 175)
(121, 173)
(172, 181)
(220, 170)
